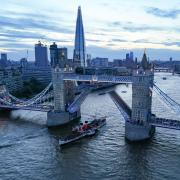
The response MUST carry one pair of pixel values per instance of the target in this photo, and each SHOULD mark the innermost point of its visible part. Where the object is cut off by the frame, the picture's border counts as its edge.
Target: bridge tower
(63, 96)
(63, 90)
(138, 127)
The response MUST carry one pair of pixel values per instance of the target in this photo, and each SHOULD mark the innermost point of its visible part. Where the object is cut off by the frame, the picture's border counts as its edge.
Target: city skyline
(110, 30)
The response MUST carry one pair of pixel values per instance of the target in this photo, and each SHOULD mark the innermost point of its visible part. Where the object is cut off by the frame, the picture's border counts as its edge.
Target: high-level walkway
(97, 78)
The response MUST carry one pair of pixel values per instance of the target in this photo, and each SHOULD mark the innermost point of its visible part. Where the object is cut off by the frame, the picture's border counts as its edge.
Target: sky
(112, 27)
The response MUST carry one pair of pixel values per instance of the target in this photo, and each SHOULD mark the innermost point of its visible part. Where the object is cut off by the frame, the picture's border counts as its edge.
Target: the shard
(79, 47)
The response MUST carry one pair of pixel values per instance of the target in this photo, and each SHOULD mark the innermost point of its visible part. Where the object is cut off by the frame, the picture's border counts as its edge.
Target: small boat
(75, 137)
(164, 78)
(93, 127)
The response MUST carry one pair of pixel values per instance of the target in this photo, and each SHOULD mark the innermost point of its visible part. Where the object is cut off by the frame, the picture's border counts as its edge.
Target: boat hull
(82, 135)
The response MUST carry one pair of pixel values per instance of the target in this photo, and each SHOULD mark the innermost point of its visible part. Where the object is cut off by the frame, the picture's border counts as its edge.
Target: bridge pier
(135, 132)
(60, 115)
(61, 118)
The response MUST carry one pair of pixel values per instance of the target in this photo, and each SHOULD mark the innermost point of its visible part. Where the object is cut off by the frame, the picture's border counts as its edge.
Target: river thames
(29, 150)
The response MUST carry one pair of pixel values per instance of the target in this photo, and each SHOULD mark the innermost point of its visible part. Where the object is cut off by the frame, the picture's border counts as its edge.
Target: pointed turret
(144, 62)
(79, 47)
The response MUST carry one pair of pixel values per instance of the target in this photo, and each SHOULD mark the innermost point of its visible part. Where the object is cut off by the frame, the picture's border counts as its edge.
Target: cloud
(143, 27)
(172, 13)
(7, 40)
(172, 44)
(33, 23)
(141, 41)
(22, 34)
(16, 45)
(116, 23)
(98, 34)
(132, 27)
(15, 35)
(166, 43)
(94, 40)
(119, 40)
(17, 27)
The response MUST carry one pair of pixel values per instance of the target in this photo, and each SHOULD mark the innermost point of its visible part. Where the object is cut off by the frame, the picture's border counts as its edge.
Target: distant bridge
(162, 69)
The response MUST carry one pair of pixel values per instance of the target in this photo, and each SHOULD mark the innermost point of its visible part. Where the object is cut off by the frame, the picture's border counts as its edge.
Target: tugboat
(84, 130)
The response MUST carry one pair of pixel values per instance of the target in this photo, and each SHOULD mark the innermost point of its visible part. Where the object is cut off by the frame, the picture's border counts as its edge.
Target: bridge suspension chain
(175, 106)
(11, 101)
(32, 100)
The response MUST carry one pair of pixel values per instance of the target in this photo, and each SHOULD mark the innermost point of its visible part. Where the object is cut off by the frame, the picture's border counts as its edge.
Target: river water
(29, 150)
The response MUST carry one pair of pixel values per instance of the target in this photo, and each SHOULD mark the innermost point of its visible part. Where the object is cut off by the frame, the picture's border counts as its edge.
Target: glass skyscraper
(41, 55)
(79, 49)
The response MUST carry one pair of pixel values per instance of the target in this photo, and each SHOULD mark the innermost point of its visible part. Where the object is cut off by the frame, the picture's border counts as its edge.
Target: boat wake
(18, 140)
(30, 116)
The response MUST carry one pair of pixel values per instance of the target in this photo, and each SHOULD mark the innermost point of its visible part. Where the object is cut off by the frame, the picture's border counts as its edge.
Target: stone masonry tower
(62, 99)
(58, 87)
(63, 90)
(138, 127)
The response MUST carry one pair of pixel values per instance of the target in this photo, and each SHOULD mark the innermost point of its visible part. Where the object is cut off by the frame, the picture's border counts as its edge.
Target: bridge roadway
(121, 105)
(79, 100)
(165, 123)
(98, 78)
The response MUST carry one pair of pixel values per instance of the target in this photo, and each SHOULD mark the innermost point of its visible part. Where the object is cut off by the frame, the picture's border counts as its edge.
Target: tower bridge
(61, 105)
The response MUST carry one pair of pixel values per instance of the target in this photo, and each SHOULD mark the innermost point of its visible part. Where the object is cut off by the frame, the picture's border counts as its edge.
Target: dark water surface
(28, 150)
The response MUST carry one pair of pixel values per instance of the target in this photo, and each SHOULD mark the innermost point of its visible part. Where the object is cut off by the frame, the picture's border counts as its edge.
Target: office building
(3, 61)
(41, 55)
(117, 62)
(59, 56)
(99, 62)
(127, 56)
(131, 56)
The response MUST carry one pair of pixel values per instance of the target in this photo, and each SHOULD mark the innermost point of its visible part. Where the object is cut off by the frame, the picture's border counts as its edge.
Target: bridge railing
(175, 106)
